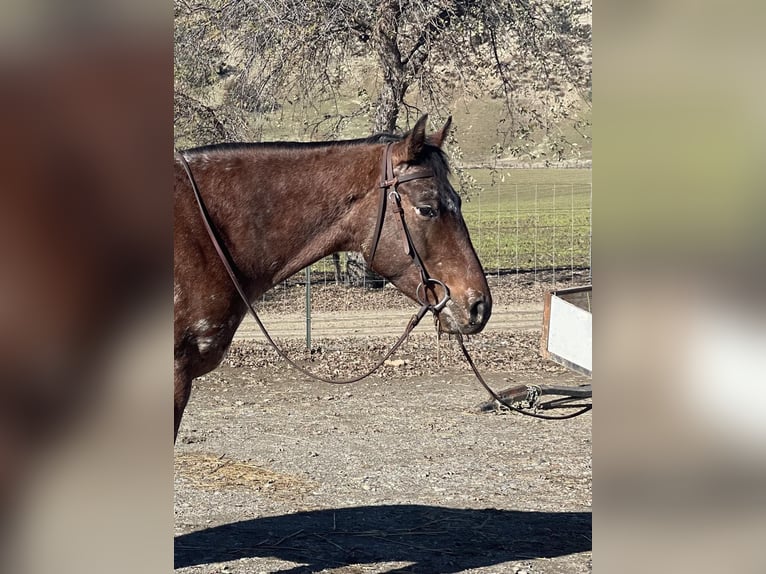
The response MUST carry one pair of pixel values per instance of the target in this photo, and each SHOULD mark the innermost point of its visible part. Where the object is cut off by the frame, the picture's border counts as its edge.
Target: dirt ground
(399, 473)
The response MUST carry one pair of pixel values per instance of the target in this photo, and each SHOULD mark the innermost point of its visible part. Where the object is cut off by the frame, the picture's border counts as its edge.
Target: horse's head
(432, 216)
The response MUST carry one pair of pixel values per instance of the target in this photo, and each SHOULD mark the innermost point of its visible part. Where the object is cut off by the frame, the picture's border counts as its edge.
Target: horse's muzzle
(468, 319)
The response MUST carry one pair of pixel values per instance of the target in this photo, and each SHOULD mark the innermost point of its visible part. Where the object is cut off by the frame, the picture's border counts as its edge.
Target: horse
(279, 207)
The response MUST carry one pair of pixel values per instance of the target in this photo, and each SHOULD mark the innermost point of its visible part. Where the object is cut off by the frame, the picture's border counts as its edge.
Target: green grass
(488, 177)
(526, 219)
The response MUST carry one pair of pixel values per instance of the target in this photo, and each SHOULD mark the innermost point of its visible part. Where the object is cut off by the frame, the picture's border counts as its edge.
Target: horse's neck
(309, 204)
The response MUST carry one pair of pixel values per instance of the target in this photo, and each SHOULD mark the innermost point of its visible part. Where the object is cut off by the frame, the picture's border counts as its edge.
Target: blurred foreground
(85, 339)
(679, 179)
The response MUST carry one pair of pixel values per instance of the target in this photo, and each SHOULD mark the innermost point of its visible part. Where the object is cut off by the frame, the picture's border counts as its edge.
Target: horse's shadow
(431, 538)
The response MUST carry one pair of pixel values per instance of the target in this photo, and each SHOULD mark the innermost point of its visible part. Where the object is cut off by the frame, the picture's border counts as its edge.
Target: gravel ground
(399, 473)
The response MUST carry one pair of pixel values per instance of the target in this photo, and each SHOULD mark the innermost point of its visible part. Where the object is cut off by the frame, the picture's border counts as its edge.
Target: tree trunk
(336, 268)
(359, 275)
(388, 108)
(390, 101)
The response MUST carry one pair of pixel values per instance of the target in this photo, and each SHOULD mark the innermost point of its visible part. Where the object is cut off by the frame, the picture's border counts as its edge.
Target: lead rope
(225, 259)
(505, 403)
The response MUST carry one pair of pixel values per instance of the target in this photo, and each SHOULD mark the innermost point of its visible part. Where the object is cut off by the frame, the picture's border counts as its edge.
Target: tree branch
(431, 32)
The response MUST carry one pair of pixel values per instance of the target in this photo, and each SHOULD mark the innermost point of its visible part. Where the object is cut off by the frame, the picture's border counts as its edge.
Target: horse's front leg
(182, 389)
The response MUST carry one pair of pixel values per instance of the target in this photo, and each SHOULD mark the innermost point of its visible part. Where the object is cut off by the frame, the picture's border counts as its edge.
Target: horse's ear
(437, 138)
(415, 140)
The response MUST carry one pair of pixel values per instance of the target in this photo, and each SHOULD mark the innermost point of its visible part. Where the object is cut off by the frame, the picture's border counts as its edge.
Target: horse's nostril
(478, 310)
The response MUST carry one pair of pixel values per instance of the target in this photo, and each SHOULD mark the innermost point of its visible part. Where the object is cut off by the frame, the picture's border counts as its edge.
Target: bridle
(389, 190)
(391, 182)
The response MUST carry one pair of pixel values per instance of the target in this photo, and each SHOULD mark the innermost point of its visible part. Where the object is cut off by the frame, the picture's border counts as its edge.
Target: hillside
(478, 127)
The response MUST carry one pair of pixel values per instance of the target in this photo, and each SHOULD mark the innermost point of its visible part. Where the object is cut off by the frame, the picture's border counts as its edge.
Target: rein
(389, 187)
(389, 182)
(507, 404)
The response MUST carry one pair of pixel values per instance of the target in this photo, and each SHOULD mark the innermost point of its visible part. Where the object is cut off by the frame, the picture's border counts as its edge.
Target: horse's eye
(426, 211)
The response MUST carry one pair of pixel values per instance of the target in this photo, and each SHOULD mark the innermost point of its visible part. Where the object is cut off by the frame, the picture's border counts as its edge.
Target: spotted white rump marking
(199, 157)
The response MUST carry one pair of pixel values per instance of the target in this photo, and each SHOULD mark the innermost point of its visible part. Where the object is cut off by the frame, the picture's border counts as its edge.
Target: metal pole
(590, 237)
(554, 235)
(308, 307)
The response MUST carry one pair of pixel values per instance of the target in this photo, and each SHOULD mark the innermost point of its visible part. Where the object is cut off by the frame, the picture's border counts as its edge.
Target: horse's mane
(436, 160)
(373, 139)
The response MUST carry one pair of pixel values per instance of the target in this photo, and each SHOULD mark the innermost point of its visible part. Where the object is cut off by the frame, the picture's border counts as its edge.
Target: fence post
(308, 307)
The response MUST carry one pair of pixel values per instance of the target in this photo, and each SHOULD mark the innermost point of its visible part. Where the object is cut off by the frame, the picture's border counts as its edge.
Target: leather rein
(390, 182)
(390, 192)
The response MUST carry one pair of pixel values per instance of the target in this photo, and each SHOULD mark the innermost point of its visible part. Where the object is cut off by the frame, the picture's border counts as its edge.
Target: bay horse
(279, 207)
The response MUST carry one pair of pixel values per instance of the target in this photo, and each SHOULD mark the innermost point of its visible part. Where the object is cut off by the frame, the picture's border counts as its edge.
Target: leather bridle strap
(392, 181)
(389, 190)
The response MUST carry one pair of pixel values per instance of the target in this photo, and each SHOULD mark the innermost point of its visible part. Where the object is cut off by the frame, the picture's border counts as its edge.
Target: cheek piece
(391, 182)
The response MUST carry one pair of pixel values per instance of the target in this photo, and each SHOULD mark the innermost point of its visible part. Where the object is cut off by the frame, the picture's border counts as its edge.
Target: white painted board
(570, 334)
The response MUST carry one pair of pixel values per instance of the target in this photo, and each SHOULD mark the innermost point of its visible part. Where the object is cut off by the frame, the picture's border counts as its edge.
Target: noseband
(389, 187)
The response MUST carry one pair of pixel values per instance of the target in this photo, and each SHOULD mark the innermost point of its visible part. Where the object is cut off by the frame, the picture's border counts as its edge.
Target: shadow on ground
(432, 538)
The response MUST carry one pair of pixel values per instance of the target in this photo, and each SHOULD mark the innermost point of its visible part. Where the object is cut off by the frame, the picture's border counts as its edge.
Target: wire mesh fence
(541, 228)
